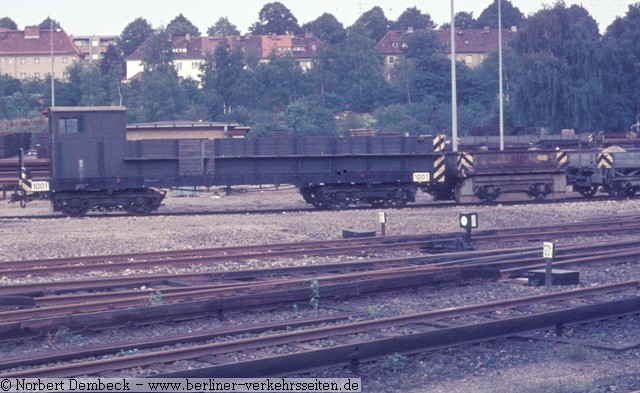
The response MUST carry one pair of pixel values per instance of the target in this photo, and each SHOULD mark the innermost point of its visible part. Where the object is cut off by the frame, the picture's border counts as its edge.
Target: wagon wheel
(74, 207)
(539, 190)
(488, 193)
(338, 200)
(139, 205)
(587, 191)
(620, 189)
(314, 197)
(396, 198)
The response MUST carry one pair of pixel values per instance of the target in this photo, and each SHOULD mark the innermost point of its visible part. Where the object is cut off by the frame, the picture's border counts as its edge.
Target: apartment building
(93, 47)
(190, 52)
(472, 46)
(34, 53)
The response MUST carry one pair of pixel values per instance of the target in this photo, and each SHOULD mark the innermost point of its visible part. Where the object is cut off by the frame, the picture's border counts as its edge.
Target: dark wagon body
(93, 166)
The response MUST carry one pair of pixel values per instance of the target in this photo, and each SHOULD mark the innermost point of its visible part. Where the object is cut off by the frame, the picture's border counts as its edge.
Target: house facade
(189, 52)
(33, 53)
(93, 47)
(472, 46)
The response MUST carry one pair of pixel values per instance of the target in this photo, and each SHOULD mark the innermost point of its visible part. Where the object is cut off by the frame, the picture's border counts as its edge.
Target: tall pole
(454, 98)
(500, 75)
(53, 89)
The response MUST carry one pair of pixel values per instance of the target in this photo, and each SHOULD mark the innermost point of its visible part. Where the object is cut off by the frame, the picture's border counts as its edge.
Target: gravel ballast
(506, 365)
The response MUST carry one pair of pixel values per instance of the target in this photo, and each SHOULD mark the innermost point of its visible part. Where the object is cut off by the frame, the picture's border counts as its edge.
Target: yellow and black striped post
(438, 169)
(465, 164)
(438, 143)
(605, 160)
(23, 174)
(562, 159)
(592, 139)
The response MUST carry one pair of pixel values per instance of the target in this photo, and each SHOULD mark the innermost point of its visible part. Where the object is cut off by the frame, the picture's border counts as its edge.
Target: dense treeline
(559, 72)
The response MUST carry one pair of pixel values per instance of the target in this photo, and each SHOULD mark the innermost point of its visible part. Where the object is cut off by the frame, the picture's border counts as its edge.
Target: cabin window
(70, 125)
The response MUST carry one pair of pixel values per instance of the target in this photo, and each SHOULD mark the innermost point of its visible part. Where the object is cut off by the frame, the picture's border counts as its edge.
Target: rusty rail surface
(332, 247)
(431, 330)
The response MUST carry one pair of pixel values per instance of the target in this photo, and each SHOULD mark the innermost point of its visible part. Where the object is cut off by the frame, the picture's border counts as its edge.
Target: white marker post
(548, 251)
(382, 217)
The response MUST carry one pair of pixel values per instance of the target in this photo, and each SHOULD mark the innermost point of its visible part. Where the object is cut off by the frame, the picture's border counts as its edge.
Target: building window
(64, 60)
(94, 57)
(195, 65)
(37, 75)
(23, 75)
(23, 60)
(468, 60)
(36, 60)
(8, 61)
(95, 43)
(70, 125)
(65, 75)
(392, 59)
(178, 66)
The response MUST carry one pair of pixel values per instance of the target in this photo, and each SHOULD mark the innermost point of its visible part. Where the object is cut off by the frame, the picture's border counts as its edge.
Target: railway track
(346, 341)
(76, 305)
(240, 254)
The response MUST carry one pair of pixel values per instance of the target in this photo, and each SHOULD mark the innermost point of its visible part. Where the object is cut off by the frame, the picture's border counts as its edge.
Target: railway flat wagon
(501, 176)
(330, 172)
(94, 167)
(620, 173)
(582, 174)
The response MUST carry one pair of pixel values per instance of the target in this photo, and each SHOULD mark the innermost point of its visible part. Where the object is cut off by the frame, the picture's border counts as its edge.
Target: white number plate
(421, 177)
(39, 186)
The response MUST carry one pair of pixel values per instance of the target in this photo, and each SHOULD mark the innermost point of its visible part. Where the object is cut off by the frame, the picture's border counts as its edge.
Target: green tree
(621, 64)
(221, 73)
(358, 71)
(275, 18)
(412, 17)
(223, 27)
(327, 28)
(181, 26)
(375, 22)
(8, 23)
(558, 84)
(511, 16)
(157, 52)
(85, 86)
(305, 117)
(280, 82)
(464, 20)
(162, 97)
(432, 76)
(133, 35)
(46, 24)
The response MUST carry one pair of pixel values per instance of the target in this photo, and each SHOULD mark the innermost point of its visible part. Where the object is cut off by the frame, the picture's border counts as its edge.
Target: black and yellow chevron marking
(562, 159)
(465, 163)
(605, 160)
(24, 182)
(592, 138)
(438, 169)
(438, 143)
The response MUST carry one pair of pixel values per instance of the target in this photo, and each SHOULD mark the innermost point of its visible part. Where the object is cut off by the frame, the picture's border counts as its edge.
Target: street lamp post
(454, 98)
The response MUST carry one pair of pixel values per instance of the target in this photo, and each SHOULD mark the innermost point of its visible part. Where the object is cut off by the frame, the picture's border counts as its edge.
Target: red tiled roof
(467, 41)
(15, 42)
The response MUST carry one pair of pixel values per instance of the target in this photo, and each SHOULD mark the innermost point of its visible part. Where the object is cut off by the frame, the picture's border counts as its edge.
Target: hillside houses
(472, 46)
(190, 52)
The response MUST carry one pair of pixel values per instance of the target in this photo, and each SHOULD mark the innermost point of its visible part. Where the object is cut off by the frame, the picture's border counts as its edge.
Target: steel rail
(366, 349)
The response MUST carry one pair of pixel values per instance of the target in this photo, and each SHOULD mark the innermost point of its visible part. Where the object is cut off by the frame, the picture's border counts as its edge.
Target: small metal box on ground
(558, 277)
(354, 233)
